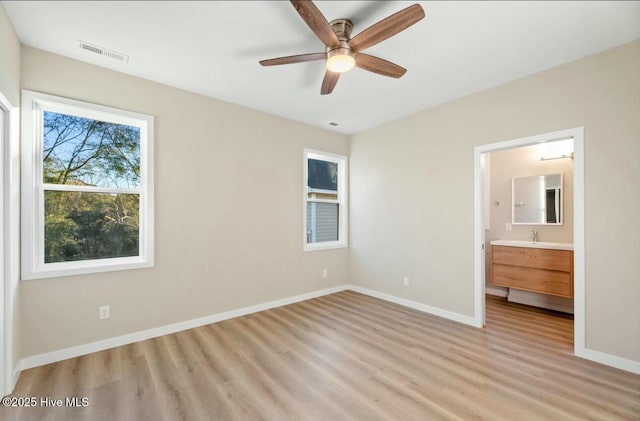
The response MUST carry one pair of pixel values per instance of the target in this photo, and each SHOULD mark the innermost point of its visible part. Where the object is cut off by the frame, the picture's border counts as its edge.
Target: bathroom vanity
(540, 267)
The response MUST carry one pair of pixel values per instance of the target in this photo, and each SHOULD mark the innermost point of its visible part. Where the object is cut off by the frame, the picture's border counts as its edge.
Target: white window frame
(33, 265)
(343, 214)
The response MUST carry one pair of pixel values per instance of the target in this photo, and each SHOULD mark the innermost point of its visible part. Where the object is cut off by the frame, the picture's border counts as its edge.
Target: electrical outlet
(406, 281)
(104, 312)
(508, 226)
(324, 273)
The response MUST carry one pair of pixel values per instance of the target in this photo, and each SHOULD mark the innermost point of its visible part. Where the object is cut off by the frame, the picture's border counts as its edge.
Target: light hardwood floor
(342, 356)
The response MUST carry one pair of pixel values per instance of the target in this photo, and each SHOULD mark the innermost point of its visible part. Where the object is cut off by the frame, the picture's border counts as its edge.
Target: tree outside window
(91, 207)
(81, 225)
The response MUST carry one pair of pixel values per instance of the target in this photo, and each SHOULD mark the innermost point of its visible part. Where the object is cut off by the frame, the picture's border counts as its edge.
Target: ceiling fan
(342, 52)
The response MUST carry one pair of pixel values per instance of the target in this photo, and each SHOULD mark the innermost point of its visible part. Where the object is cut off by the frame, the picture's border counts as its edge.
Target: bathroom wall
(521, 162)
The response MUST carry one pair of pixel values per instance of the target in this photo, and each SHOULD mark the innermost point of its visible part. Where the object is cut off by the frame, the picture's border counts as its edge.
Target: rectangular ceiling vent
(103, 51)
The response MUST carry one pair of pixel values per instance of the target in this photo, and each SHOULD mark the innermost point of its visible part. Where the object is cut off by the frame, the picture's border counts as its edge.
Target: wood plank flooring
(340, 357)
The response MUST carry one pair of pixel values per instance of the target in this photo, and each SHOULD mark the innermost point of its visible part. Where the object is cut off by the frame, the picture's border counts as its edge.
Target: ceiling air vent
(103, 51)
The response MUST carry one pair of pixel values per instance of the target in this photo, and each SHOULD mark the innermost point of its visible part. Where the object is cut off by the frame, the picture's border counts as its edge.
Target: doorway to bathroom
(540, 169)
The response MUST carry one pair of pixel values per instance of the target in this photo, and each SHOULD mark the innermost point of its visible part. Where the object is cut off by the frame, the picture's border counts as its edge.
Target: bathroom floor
(553, 328)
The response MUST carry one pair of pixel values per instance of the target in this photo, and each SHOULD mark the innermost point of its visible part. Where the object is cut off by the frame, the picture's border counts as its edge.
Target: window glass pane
(322, 222)
(322, 175)
(83, 151)
(86, 226)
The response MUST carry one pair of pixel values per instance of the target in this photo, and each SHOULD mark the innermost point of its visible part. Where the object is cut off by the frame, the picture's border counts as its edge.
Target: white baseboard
(76, 351)
(610, 360)
(16, 376)
(456, 317)
(496, 291)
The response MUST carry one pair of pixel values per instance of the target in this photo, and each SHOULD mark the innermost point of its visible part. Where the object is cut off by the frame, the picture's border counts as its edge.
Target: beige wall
(412, 190)
(411, 201)
(228, 213)
(9, 60)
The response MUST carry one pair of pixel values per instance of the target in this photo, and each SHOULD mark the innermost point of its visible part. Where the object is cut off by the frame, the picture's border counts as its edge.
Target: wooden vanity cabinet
(546, 271)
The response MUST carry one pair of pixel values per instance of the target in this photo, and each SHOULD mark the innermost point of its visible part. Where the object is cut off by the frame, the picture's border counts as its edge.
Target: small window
(325, 200)
(87, 188)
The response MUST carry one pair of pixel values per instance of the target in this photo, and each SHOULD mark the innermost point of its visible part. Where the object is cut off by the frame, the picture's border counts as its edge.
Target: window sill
(55, 270)
(325, 246)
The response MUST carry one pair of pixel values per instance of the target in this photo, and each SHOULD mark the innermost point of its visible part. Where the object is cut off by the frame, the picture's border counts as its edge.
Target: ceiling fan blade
(379, 65)
(317, 22)
(387, 27)
(300, 58)
(329, 82)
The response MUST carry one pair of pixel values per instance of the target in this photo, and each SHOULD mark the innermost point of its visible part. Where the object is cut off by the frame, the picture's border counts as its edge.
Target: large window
(87, 187)
(325, 200)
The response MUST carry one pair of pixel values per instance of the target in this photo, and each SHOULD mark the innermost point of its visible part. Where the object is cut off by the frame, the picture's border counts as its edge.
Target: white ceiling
(213, 48)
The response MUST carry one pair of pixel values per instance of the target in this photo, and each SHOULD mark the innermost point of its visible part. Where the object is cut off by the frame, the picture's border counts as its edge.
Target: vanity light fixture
(557, 149)
(547, 158)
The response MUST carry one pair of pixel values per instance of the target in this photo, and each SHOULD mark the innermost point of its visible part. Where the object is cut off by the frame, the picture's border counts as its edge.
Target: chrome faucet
(534, 235)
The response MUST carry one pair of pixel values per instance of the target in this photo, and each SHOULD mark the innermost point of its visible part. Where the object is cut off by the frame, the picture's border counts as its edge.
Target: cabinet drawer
(561, 260)
(532, 279)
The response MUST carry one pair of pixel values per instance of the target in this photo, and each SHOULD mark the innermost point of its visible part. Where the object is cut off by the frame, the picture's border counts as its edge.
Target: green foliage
(83, 226)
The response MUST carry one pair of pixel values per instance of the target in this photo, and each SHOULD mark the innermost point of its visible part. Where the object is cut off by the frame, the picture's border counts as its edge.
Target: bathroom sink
(537, 244)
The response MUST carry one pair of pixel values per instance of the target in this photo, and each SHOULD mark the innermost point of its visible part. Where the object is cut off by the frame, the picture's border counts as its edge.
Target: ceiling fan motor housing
(342, 28)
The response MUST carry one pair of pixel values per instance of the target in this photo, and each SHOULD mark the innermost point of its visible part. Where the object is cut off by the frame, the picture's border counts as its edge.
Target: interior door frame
(577, 134)
(5, 111)
(10, 243)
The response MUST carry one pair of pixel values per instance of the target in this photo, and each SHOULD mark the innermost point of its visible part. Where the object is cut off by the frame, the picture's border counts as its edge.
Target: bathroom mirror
(537, 199)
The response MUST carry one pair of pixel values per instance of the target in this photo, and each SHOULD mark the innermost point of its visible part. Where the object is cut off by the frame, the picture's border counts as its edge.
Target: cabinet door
(533, 258)
(531, 279)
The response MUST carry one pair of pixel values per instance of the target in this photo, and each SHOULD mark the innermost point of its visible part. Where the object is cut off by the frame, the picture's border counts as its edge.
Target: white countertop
(537, 244)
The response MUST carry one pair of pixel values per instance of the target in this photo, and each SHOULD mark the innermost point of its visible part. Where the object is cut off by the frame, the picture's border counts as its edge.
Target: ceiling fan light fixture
(340, 60)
